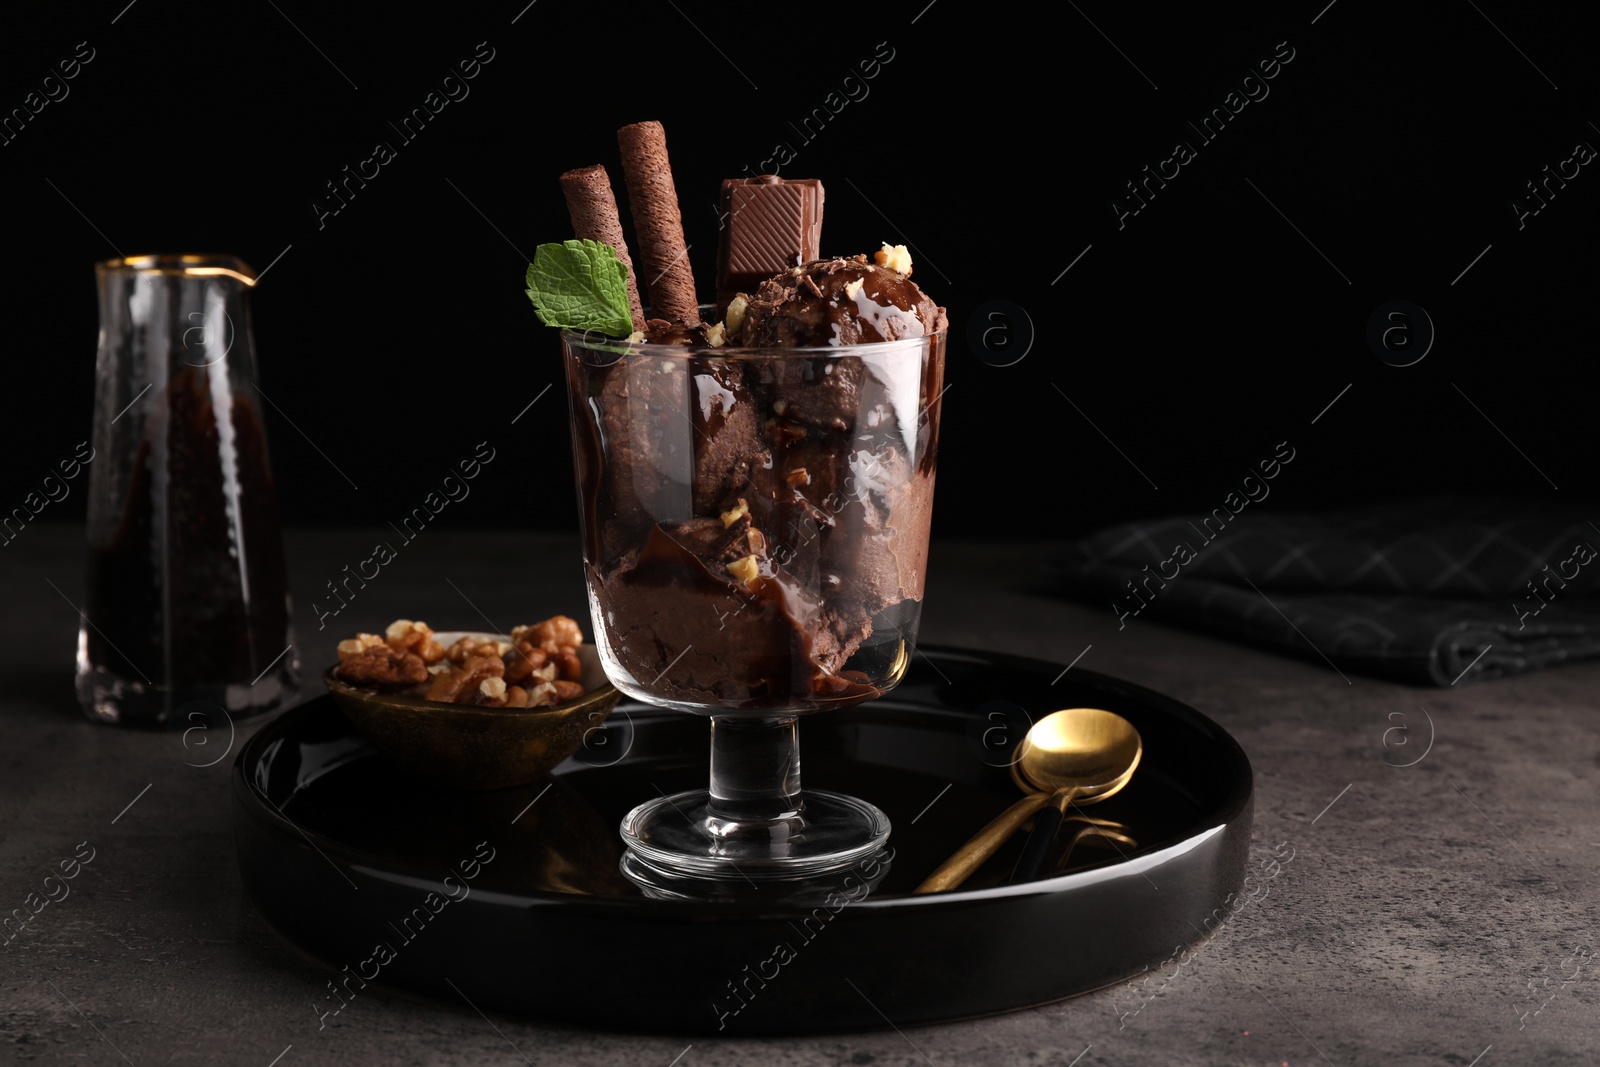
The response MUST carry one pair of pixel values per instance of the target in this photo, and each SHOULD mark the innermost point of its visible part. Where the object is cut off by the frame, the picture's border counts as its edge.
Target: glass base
(827, 832)
(831, 887)
(109, 698)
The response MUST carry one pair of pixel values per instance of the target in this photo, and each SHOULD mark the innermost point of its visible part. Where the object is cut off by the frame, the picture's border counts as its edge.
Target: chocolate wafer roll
(593, 208)
(656, 217)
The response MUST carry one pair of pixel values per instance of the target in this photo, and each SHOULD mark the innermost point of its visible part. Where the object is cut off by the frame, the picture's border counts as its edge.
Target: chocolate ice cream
(839, 302)
(753, 518)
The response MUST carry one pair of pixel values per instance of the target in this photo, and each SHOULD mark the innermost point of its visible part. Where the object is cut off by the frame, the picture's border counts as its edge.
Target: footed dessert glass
(755, 526)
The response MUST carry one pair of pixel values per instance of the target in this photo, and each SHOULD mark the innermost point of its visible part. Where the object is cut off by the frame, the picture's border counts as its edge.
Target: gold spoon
(1076, 755)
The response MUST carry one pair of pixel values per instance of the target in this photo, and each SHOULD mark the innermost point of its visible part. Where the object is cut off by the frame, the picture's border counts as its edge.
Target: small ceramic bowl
(469, 747)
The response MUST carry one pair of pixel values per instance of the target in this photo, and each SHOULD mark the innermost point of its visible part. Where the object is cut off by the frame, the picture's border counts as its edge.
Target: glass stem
(755, 773)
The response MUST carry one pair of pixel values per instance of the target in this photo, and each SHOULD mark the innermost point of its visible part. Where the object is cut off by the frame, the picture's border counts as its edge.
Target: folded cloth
(1432, 592)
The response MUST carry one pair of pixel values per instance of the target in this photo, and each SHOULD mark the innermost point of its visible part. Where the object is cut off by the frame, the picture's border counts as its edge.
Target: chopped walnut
(383, 666)
(733, 515)
(467, 647)
(744, 569)
(552, 635)
(782, 432)
(568, 665)
(358, 644)
(417, 637)
(403, 628)
(491, 693)
(458, 685)
(525, 659)
(895, 257)
(734, 320)
(538, 667)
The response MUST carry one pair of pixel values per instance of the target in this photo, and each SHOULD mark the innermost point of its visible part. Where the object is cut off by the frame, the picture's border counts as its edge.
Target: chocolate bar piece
(768, 225)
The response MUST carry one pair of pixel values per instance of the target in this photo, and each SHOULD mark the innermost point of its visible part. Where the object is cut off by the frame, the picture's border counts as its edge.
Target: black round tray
(511, 900)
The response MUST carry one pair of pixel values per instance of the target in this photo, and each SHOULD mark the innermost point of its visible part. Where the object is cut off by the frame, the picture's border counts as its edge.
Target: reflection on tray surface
(560, 836)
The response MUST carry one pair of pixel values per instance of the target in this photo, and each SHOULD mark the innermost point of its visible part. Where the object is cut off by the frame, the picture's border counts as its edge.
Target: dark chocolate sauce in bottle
(186, 609)
(192, 584)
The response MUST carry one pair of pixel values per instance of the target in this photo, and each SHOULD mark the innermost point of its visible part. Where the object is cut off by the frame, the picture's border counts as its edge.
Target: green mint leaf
(580, 285)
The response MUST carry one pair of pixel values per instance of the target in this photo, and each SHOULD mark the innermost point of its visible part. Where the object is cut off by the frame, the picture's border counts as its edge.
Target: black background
(395, 335)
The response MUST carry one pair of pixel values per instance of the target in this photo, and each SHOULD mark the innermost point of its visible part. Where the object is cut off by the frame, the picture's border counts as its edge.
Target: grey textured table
(1441, 913)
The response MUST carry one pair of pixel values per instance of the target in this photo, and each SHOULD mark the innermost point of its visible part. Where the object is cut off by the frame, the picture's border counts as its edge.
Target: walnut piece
(895, 257)
(383, 666)
(525, 659)
(491, 693)
(358, 644)
(733, 515)
(744, 569)
(733, 322)
(552, 635)
(417, 637)
(568, 666)
(526, 662)
(459, 685)
(467, 647)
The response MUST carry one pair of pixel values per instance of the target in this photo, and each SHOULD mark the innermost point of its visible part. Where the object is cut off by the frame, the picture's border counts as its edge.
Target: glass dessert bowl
(755, 524)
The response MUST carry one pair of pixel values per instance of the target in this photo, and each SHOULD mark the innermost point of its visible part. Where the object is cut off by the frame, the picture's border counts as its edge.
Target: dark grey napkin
(1432, 592)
